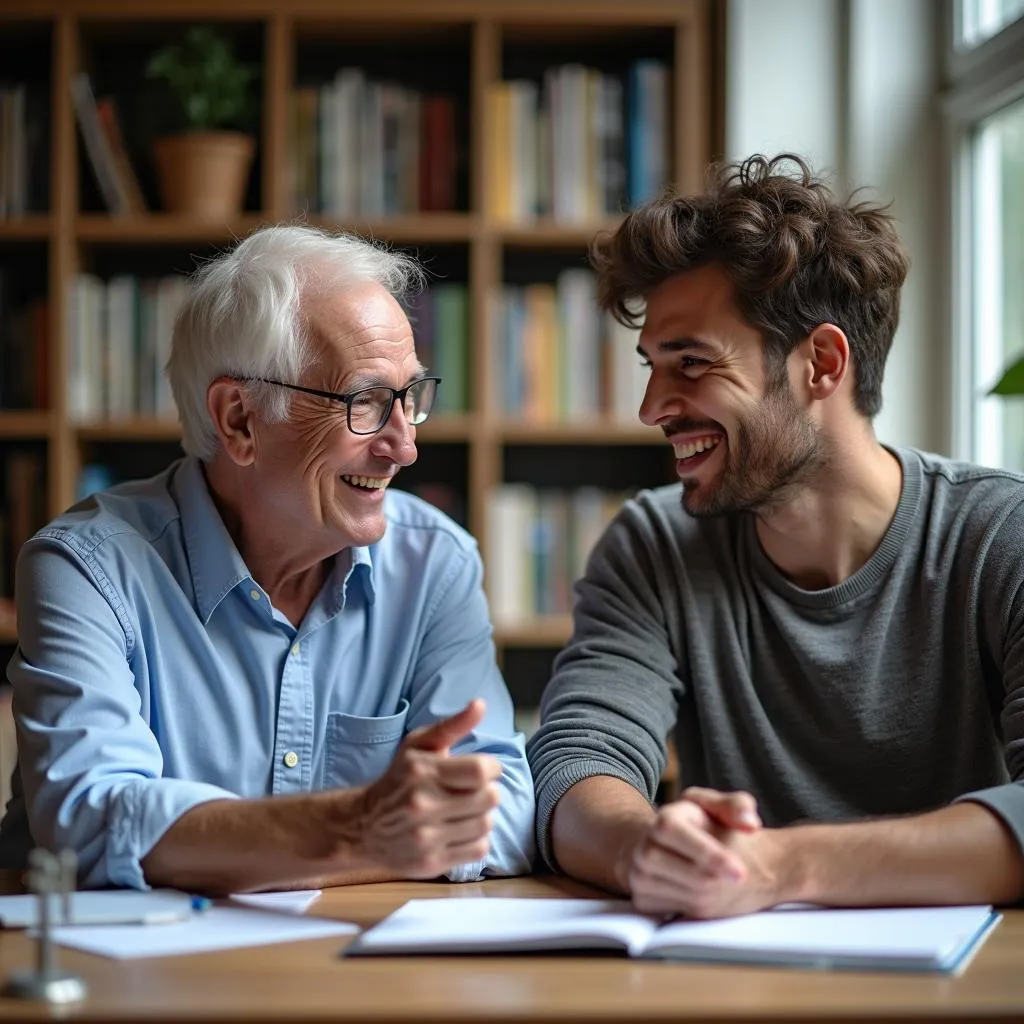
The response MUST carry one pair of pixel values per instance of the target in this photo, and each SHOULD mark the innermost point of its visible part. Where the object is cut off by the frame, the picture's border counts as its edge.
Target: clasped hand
(430, 810)
(704, 855)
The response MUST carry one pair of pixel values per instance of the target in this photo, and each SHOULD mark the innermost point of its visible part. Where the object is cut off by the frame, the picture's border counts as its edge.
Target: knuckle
(422, 839)
(417, 770)
(420, 804)
(667, 822)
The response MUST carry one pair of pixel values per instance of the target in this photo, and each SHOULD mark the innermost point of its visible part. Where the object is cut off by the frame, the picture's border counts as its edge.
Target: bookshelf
(462, 48)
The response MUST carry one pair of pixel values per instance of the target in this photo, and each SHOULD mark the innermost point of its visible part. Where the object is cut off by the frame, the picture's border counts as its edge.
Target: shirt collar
(214, 561)
(362, 568)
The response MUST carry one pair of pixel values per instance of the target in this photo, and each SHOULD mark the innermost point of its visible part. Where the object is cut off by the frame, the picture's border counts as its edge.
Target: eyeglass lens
(370, 409)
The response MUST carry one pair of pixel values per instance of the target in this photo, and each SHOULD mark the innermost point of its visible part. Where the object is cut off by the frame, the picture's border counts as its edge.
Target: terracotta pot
(203, 174)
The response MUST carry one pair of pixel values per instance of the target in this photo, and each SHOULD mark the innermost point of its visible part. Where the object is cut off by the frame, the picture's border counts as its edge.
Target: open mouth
(690, 455)
(367, 484)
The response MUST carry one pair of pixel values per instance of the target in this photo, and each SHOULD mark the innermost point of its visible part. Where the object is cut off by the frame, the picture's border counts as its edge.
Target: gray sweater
(897, 691)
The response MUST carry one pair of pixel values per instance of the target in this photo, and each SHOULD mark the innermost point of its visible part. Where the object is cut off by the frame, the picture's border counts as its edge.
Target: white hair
(242, 316)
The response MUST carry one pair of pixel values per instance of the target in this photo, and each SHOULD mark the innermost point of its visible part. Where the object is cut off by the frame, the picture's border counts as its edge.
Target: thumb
(442, 735)
(732, 810)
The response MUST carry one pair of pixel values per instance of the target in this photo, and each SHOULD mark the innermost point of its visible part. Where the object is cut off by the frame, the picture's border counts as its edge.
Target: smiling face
(316, 475)
(741, 440)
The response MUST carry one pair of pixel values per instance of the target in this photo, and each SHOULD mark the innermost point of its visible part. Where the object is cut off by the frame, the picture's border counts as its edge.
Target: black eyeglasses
(370, 408)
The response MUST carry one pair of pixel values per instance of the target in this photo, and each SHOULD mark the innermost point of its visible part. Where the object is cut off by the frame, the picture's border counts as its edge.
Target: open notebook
(904, 939)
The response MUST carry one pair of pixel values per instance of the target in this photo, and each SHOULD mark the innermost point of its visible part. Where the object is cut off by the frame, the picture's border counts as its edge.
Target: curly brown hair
(797, 257)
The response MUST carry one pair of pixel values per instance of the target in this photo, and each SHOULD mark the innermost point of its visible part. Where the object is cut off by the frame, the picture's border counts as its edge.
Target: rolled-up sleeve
(90, 765)
(456, 663)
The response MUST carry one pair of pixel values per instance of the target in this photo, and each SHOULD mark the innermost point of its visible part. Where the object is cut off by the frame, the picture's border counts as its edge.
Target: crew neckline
(873, 571)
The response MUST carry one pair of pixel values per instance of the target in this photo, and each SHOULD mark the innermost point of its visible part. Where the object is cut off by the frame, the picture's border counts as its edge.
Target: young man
(834, 628)
(262, 668)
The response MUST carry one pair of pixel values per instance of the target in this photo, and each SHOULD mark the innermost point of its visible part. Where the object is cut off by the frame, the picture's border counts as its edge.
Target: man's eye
(646, 364)
(692, 363)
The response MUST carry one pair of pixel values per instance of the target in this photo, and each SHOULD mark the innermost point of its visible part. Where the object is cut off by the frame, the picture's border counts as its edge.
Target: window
(998, 279)
(981, 19)
(985, 106)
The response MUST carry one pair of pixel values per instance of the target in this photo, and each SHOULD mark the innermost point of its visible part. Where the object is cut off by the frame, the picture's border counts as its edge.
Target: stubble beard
(778, 450)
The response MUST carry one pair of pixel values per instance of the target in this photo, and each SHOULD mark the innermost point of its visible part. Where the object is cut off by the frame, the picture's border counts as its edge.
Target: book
(97, 146)
(937, 939)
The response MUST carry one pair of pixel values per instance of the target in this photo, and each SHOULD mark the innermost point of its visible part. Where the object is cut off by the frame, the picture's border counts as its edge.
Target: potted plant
(203, 170)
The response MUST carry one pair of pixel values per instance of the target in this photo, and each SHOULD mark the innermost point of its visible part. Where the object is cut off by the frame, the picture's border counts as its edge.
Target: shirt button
(254, 594)
(291, 759)
(296, 648)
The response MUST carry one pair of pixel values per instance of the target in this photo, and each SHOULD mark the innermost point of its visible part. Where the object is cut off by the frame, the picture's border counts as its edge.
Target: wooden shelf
(596, 432)
(161, 228)
(550, 631)
(138, 429)
(446, 428)
(546, 234)
(8, 622)
(424, 227)
(450, 47)
(29, 424)
(33, 228)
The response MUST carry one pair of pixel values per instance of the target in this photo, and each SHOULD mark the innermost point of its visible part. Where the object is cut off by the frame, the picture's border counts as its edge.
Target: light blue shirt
(153, 674)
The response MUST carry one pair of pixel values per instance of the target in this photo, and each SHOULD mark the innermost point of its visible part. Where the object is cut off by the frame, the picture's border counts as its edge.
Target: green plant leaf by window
(210, 84)
(1012, 380)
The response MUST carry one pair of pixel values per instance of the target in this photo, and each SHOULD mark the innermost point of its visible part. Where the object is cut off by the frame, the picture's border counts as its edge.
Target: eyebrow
(676, 345)
(364, 381)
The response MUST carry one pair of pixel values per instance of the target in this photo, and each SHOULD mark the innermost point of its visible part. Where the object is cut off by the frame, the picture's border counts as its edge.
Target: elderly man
(834, 628)
(264, 668)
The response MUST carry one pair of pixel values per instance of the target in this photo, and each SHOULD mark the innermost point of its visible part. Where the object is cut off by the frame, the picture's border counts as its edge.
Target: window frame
(979, 81)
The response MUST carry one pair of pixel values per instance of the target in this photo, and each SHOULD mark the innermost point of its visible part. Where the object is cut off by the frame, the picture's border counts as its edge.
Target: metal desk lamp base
(59, 989)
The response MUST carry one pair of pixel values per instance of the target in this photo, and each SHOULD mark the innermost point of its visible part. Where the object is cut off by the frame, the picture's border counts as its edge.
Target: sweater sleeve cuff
(558, 783)
(1007, 802)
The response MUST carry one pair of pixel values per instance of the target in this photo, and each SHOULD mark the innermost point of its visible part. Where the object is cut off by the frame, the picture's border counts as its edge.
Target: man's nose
(662, 399)
(396, 440)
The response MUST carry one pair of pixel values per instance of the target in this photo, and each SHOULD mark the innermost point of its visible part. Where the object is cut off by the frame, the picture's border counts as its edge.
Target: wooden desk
(306, 980)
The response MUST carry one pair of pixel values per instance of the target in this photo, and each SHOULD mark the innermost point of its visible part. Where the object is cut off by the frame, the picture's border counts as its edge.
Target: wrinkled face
(318, 475)
(741, 441)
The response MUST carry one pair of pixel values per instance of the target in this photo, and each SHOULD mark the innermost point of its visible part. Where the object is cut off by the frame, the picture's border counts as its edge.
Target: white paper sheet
(297, 902)
(113, 906)
(222, 926)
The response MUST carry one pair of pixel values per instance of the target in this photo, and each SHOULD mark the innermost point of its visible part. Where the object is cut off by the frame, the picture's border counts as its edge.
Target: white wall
(851, 84)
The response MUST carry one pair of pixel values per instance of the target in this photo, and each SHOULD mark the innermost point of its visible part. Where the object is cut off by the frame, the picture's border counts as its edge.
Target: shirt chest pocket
(358, 750)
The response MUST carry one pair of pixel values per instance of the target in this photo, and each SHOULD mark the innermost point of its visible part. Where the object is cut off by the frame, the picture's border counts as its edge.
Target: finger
(466, 853)
(734, 810)
(655, 863)
(693, 843)
(468, 830)
(445, 734)
(652, 891)
(462, 807)
(468, 772)
(441, 808)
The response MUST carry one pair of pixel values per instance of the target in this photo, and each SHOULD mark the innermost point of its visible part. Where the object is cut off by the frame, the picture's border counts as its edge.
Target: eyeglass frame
(347, 399)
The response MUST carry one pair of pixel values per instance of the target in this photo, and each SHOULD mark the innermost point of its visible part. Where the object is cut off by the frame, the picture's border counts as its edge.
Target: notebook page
(483, 924)
(907, 937)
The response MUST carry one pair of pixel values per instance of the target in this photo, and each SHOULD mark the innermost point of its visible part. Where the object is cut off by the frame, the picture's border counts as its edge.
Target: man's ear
(828, 360)
(233, 419)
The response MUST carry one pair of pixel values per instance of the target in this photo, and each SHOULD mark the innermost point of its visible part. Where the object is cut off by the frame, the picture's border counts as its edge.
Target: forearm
(595, 827)
(956, 855)
(224, 846)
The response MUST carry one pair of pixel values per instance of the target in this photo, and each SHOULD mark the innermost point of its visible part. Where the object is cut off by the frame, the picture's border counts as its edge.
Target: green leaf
(1012, 380)
(211, 86)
